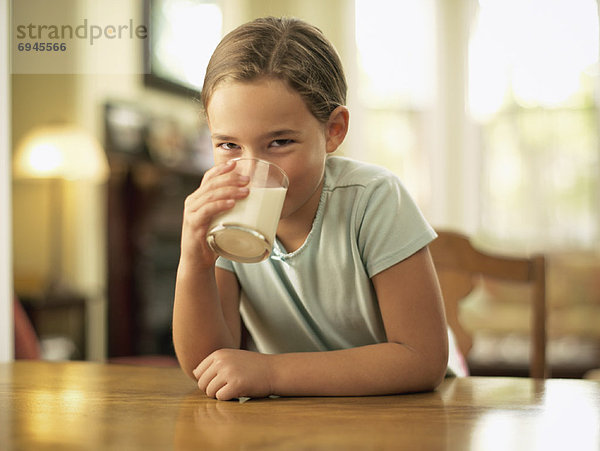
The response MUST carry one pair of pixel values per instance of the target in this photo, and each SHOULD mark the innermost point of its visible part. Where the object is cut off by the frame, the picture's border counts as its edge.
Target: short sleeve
(390, 225)
(223, 263)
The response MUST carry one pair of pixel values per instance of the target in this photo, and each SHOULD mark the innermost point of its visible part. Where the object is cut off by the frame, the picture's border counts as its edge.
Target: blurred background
(487, 110)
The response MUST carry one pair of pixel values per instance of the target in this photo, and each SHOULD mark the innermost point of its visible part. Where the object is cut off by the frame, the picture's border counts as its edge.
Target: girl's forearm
(199, 326)
(385, 368)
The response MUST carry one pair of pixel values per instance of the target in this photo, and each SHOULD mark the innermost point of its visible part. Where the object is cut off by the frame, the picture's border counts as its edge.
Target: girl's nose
(249, 153)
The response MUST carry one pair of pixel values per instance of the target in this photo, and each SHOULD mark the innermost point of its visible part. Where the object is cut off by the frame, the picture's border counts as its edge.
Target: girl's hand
(232, 373)
(219, 190)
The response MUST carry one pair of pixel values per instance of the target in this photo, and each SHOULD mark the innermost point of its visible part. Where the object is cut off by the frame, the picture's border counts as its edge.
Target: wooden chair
(27, 344)
(459, 264)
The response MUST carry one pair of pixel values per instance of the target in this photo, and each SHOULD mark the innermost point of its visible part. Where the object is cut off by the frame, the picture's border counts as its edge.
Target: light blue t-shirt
(321, 297)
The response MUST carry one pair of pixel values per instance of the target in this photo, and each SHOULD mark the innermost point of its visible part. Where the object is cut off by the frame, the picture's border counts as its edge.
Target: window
(395, 77)
(184, 33)
(533, 167)
(533, 79)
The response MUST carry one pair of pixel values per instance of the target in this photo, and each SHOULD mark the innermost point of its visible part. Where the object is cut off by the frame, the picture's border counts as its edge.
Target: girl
(348, 302)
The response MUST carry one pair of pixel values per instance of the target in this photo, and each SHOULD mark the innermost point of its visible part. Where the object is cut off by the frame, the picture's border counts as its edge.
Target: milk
(247, 231)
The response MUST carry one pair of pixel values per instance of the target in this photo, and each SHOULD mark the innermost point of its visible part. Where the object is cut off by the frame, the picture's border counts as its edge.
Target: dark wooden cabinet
(145, 211)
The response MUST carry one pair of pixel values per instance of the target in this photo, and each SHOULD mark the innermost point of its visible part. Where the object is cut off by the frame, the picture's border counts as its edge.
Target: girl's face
(266, 119)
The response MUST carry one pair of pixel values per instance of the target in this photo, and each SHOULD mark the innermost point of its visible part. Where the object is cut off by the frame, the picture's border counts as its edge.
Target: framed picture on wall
(183, 34)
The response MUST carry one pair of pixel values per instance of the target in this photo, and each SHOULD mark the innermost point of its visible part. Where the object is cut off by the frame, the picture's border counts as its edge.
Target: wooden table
(88, 406)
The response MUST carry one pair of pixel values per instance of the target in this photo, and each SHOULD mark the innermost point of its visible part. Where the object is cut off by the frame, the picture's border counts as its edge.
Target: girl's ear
(336, 128)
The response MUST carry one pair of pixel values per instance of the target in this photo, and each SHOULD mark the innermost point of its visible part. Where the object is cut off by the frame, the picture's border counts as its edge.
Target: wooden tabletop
(89, 406)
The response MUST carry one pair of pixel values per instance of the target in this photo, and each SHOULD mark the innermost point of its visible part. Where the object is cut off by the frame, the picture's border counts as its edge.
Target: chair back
(458, 264)
(27, 344)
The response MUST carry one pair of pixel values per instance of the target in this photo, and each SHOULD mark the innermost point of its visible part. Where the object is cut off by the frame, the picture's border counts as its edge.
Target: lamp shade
(60, 151)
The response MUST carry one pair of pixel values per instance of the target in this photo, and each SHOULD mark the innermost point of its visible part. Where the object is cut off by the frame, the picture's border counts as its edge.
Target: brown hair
(285, 48)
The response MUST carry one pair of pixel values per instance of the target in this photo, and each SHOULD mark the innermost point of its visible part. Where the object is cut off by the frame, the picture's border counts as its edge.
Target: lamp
(59, 153)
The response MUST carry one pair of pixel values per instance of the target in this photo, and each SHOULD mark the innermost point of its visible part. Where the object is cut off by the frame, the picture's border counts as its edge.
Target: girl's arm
(413, 359)
(206, 318)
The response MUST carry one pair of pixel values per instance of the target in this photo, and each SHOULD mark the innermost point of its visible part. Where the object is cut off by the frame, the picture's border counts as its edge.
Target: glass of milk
(246, 232)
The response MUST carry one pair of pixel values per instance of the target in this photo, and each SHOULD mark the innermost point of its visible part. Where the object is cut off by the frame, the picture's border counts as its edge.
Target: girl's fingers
(220, 168)
(218, 192)
(225, 393)
(214, 386)
(232, 187)
(204, 374)
(208, 378)
(226, 192)
(201, 368)
(203, 209)
(220, 176)
(213, 209)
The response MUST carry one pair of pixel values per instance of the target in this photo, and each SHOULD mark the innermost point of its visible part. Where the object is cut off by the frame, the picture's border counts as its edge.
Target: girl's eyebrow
(273, 134)
(218, 137)
(278, 133)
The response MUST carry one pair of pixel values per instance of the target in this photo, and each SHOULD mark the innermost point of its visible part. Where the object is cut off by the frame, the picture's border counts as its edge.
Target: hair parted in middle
(288, 49)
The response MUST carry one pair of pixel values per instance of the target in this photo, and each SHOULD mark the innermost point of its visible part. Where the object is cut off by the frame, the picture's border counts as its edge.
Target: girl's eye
(281, 142)
(228, 146)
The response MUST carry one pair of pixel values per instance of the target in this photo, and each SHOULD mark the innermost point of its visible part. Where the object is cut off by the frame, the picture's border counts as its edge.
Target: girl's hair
(284, 48)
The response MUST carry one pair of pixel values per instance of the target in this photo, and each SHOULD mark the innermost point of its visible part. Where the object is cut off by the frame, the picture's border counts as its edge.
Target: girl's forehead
(261, 99)
(262, 85)
(249, 110)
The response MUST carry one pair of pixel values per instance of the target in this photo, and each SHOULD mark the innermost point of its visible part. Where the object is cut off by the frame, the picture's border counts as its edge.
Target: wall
(6, 323)
(39, 99)
(79, 98)
(36, 100)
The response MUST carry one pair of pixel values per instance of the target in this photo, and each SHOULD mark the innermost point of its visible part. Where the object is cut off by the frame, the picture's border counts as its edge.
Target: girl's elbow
(437, 367)
(437, 377)
(187, 365)
(187, 369)
(430, 378)
(432, 367)
(428, 370)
